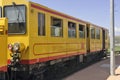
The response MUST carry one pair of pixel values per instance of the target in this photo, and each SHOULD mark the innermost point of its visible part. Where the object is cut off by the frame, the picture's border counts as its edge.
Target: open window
(56, 27)
(97, 33)
(81, 31)
(17, 19)
(92, 32)
(41, 24)
(0, 12)
(71, 30)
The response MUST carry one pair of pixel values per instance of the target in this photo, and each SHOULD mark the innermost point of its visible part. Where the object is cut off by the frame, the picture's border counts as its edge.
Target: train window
(97, 34)
(0, 12)
(41, 24)
(71, 30)
(81, 31)
(93, 33)
(17, 19)
(56, 27)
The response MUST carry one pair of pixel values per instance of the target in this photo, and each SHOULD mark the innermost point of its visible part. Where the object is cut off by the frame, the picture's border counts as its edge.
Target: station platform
(117, 75)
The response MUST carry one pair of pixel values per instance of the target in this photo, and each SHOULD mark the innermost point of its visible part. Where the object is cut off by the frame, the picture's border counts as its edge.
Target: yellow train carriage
(15, 37)
(16, 12)
(55, 41)
(98, 40)
(39, 37)
(3, 42)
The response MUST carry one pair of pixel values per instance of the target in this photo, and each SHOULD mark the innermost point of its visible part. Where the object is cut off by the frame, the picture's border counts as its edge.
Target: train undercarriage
(51, 69)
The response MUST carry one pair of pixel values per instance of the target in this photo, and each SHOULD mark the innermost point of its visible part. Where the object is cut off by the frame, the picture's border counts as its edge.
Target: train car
(39, 38)
(97, 42)
(94, 41)
(3, 47)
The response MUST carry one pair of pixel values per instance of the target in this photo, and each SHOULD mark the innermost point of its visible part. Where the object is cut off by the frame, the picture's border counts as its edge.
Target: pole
(112, 45)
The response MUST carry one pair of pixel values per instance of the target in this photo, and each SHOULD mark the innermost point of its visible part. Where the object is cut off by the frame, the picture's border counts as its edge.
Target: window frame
(91, 32)
(44, 33)
(97, 34)
(75, 25)
(83, 26)
(1, 12)
(51, 26)
(25, 19)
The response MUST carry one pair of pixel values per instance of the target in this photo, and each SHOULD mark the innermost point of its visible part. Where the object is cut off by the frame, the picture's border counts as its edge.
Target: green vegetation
(117, 48)
(117, 43)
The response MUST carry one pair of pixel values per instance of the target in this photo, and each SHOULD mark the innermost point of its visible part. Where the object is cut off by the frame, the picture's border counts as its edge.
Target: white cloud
(117, 29)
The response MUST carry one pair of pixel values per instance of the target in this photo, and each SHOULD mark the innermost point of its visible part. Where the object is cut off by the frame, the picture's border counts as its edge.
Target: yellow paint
(96, 44)
(107, 41)
(19, 38)
(3, 42)
(45, 46)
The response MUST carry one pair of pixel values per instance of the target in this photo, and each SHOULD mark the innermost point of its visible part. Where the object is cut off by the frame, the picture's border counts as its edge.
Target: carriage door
(88, 38)
(103, 37)
(3, 45)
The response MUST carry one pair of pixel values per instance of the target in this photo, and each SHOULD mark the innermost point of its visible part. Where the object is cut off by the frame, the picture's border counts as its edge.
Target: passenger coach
(34, 38)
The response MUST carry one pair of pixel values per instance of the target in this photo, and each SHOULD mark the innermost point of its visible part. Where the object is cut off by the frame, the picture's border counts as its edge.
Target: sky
(94, 11)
